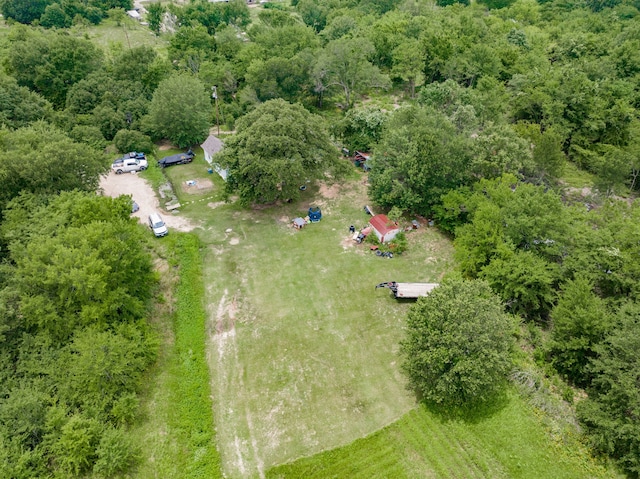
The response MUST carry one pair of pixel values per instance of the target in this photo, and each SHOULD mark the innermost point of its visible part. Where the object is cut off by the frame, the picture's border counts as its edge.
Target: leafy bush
(132, 140)
(116, 453)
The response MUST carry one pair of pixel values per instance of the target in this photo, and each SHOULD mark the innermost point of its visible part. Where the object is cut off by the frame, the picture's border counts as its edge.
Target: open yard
(303, 352)
(303, 349)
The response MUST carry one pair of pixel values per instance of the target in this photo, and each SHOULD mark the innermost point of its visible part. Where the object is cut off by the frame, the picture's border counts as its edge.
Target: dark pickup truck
(178, 159)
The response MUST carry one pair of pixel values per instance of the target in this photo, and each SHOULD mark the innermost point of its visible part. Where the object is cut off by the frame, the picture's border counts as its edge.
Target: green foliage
(548, 157)
(23, 12)
(101, 368)
(55, 17)
(19, 106)
(69, 165)
(580, 322)
(74, 450)
(459, 344)
(180, 111)
(132, 140)
(498, 150)
(155, 14)
(190, 46)
(277, 148)
(344, 64)
(115, 453)
(525, 282)
(361, 128)
(89, 135)
(287, 78)
(192, 418)
(78, 277)
(50, 63)
(418, 158)
(504, 215)
(611, 410)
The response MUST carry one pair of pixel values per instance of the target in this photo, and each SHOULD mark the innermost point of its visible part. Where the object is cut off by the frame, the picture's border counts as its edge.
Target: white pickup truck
(130, 162)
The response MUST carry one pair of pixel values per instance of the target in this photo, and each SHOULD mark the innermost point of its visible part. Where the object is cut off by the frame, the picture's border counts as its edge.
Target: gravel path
(142, 193)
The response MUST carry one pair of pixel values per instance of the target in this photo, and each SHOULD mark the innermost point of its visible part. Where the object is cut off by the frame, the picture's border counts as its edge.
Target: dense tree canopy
(277, 148)
(180, 111)
(50, 63)
(419, 158)
(459, 344)
(41, 159)
(75, 286)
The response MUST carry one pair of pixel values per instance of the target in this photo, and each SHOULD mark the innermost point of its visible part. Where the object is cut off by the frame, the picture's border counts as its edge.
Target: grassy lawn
(129, 34)
(511, 443)
(177, 435)
(303, 349)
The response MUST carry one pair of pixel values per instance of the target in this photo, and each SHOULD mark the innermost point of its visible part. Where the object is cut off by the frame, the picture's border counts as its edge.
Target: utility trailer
(408, 290)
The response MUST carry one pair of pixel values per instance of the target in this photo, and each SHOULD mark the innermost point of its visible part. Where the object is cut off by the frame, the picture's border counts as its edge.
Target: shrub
(132, 140)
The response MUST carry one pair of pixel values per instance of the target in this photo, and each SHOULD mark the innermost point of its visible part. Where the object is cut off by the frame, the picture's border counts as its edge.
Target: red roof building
(384, 228)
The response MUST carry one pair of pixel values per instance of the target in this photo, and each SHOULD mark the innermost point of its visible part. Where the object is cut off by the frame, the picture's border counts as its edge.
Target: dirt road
(142, 193)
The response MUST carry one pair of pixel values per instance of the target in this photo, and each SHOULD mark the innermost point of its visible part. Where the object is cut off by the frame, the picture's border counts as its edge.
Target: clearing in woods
(303, 350)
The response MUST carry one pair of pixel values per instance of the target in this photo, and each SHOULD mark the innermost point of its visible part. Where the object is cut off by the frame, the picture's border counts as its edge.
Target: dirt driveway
(142, 193)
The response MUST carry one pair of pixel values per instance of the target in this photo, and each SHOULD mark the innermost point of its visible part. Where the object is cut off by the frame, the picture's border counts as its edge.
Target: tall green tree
(51, 63)
(180, 111)
(155, 15)
(23, 12)
(19, 106)
(458, 349)
(580, 323)
(344, 64)
(610, 413)
(420, 157)
(277, 147)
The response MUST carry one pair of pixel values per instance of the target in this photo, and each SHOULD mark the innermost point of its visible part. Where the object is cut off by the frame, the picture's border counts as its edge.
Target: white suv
(157, 225)
(130, 162)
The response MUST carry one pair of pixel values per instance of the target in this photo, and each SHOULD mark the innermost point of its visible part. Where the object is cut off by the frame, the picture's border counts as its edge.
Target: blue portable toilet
(315, 214)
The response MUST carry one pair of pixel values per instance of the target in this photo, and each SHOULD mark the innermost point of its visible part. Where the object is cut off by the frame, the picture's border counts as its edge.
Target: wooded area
(473, 115)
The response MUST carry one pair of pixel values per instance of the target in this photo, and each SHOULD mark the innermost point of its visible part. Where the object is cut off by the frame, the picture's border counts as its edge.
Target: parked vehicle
(130, 162)
(157, 225)
(177, 159)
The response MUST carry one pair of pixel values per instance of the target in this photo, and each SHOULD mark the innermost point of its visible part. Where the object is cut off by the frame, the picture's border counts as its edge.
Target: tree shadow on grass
(471, 412)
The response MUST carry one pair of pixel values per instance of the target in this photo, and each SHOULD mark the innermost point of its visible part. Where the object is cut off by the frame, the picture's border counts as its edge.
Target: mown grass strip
(511, 442)
(193, 417)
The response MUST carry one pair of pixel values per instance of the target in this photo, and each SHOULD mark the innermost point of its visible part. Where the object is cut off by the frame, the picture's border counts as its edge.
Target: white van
(157, 225)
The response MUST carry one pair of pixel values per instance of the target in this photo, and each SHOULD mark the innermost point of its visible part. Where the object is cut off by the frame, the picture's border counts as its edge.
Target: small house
(384, 228)
(210, 147)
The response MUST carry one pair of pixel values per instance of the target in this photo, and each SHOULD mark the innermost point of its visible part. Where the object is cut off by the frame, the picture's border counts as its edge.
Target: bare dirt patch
(131, 184)
(197, 185)
(329, 192)
(165, 145)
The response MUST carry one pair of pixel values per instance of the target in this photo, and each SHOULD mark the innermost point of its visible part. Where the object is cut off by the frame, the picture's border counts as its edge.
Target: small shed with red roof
(384, 228)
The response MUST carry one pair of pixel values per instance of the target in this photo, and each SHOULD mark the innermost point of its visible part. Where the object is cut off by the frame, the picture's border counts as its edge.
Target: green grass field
(303, 349)
(511, 443)
(129, 34)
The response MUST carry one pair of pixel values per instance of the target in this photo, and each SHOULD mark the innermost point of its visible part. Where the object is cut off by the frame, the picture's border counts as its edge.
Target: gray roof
(212, 145)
